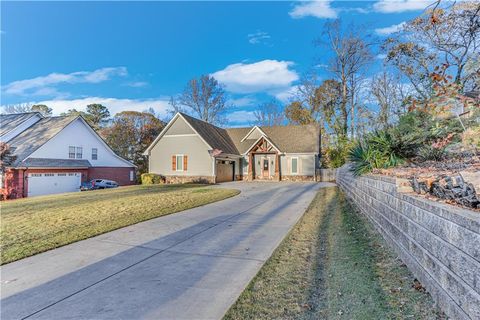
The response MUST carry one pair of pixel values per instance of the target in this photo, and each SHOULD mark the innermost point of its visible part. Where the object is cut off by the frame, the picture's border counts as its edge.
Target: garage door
(224, 171)
(50, 183)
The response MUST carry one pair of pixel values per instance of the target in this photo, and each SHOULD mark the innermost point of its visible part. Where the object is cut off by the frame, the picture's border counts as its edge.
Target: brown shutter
(174, 163)
(185, 161)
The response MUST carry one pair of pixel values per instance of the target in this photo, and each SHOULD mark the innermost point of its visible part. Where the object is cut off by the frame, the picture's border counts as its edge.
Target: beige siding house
(191, 150)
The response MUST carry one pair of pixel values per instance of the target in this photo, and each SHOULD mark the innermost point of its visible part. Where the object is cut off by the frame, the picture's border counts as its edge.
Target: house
(189, 150)
(55, 154)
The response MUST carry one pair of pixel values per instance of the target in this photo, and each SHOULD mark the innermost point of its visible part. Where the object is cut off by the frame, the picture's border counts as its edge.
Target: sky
(136, 55)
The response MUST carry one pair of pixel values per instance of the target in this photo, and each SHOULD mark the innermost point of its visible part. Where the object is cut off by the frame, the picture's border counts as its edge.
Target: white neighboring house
(56, 154)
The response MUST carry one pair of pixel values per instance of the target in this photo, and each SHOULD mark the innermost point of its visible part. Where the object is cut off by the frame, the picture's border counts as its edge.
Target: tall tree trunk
(344, 106)
(352, 111)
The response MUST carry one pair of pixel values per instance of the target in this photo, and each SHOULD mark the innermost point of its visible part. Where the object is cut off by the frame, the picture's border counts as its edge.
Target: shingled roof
(216, 137)
(289, 139)
(55, 163)
(37, 135)
(8, 122)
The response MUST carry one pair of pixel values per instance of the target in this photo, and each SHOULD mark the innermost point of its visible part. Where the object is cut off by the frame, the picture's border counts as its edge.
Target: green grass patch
(33, 225)
(333, 265)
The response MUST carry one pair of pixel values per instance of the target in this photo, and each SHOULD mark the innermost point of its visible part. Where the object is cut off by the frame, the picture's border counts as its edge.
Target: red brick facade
(19, 181)
(118, 174)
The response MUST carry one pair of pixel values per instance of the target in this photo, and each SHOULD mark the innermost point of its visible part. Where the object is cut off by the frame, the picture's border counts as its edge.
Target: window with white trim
(132, 175)
(71, 152)
(294, 165)
(179, 162)
(94, 153)
(79, 152)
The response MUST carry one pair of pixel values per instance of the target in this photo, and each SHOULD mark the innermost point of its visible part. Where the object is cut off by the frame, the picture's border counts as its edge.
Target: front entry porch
(263, 161)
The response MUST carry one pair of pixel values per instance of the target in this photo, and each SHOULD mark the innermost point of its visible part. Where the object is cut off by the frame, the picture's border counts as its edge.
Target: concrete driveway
(189, 265)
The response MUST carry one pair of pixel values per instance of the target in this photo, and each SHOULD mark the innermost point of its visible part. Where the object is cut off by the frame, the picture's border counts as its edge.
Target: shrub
(430, 153)
(335, 156)
(363, 159)
(423, 128)
(381, 149)
(152, 178)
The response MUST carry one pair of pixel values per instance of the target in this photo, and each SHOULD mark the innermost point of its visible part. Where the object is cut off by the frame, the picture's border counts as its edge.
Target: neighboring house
(55, 154)
(189, 149)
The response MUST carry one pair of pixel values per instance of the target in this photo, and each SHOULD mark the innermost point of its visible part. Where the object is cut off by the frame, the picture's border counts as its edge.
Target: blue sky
(135, 55)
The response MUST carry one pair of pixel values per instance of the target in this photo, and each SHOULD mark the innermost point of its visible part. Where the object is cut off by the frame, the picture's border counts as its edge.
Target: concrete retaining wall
(439, 243)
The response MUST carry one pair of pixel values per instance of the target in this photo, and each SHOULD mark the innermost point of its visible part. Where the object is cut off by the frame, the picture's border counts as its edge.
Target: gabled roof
(255, 128)
(289, 139)
(216, 137)
(236, 141)
(37, 135)
(8, 122)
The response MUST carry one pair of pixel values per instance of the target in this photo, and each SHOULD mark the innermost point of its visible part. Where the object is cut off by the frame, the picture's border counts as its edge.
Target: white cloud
(258, 37)
(115, 105)
(137, 84)
(287, 94)
(394, 6)
(317, 9)
(45, 85)
(381, 56)
(389, 30)
(242, 102)
(265, 75)
(240, 117)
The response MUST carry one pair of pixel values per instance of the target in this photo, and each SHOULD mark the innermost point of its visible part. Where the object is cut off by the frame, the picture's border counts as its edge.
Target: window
(71, 152)
(36, 175)
(79, 152)
(132, 176)
(94, 154)
(49, 174)
(179, 162)
(294, 166)
(62, 174)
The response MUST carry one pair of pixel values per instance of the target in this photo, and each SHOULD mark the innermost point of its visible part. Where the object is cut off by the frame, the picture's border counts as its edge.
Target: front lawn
(33, 225)
(333, 265)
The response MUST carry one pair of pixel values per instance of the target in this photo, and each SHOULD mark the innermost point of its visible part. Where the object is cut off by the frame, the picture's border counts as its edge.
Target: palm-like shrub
(381, 149)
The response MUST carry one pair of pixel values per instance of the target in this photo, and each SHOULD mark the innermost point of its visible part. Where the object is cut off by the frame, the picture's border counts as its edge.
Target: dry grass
(33, 225)
(332, 265)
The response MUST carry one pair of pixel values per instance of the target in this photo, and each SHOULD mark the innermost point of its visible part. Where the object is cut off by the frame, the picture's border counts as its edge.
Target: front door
(265, 170)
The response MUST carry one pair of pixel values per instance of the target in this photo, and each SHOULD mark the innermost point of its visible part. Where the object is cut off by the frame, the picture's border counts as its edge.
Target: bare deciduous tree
(391, 96)
(17, 108)
(448, 36)
(351, 55)
(204, 98)
(269, 114)
(304, 107)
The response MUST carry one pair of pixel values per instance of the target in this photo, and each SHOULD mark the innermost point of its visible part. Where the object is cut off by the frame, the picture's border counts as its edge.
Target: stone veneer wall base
(189, 179)
(439, 243)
